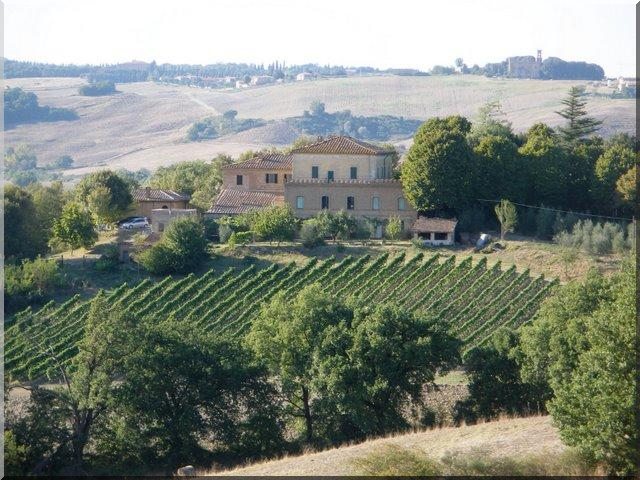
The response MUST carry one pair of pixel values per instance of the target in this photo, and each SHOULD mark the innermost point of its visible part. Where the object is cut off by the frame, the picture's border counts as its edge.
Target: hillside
(518, 436)
(145, 124)
(473, 298)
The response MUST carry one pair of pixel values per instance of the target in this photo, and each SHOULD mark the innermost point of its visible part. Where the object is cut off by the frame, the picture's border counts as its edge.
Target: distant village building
(525, 66)
(301, 77)
(148, 199)
(262, 80)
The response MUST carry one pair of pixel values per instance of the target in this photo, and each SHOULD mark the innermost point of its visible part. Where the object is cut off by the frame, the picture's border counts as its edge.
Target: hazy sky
(389, 33)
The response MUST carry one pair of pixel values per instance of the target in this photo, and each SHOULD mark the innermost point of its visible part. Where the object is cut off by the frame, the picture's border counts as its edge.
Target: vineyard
(473, 299)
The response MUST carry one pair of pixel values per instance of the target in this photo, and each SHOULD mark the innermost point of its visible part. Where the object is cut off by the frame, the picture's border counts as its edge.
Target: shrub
(393, 460)
(109, 260)
(30, 282)
(394, 228)
(275, 223)
(596, 239)
(311, 234)
(224, 232)
(240, 237)
(182, 248)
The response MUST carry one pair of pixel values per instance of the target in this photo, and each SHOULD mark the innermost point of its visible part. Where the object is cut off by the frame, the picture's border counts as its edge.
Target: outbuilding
(435, 231)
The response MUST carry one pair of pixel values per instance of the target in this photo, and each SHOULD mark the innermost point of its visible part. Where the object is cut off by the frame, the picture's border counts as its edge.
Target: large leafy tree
(60, 421)
(610, 166)
(202, 180)
(627, 188)
(545, 165)
(49, 201)
(75, 227)
(182, 386)
(439, 171)
(374, 369)
(495, 385)
(24, 235)
(500, 168)
(286, 336)
(583, 344)
(579, 124)
(106, 195)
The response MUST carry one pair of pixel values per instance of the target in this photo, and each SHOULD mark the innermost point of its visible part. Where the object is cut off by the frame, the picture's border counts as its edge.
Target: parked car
(136, 223)
(126, 220)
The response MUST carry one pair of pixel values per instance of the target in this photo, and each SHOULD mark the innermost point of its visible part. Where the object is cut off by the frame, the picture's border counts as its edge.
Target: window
(440, 236)
(314, 172)
(375, 203)
(300, 202)
(325, 202)
(354, 173)
(271, 178)
(401, 204)
(351, 202)
(238, 179)
(161, 227)
(330, 175)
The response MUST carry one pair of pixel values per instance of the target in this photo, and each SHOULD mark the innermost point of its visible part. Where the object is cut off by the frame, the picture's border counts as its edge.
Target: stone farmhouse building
(148, 199)
(338, 173)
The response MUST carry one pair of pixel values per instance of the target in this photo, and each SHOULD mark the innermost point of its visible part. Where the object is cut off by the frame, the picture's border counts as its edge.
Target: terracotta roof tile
(151, 194)
(341, 145)
(269, 161)
(424, 224)
(233, 202)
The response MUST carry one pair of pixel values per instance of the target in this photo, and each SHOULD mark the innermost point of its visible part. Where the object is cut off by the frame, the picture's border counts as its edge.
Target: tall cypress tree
(579, 124)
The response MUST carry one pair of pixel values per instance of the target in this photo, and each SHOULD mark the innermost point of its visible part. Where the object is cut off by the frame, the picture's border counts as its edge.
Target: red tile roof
(151, 195)
(268, 161)
(342, 145)
(233, 202)
(441, 225)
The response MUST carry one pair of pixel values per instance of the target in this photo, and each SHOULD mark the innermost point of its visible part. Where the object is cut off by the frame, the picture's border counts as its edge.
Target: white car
(140, 222)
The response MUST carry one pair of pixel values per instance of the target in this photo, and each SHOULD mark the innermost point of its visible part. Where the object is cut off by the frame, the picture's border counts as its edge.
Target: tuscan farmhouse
(338, 173)
(253, 184)
(148, 199)
(342, 173)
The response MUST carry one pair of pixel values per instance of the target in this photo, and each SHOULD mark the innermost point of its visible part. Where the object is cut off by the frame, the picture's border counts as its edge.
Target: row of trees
(576, 360)
(22, 107)
(453, 162)
(38, 217)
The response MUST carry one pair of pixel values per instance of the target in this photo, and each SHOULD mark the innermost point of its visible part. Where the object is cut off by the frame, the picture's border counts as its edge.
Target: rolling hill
(518, 437)
(145, 124)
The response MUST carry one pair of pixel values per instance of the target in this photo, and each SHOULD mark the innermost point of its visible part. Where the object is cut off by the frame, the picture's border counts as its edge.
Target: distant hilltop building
(527, 66)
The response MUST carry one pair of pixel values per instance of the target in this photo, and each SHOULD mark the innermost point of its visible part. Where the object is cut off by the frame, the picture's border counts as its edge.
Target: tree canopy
(439, 170)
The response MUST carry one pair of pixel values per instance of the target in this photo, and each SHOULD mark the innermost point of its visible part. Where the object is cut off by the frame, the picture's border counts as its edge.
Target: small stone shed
(435, 231)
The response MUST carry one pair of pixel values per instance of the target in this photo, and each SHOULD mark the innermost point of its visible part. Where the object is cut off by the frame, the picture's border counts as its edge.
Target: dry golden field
(144, 125)
(503, 438)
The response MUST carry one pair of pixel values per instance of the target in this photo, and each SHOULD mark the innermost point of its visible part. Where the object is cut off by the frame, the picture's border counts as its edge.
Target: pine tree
(579, 124)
